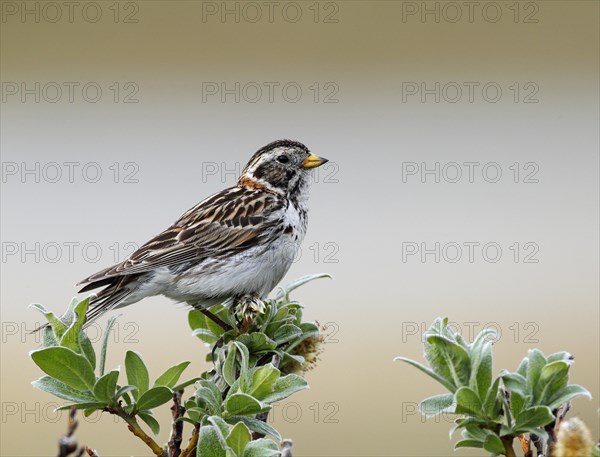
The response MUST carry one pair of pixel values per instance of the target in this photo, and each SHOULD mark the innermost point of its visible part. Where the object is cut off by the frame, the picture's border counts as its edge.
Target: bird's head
(282, 166)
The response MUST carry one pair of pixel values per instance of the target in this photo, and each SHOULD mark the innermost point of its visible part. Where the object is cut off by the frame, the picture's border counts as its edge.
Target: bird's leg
(248, 306)
(216, 320)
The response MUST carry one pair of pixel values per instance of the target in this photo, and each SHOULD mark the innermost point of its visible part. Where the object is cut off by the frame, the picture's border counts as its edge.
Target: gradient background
(360, 215)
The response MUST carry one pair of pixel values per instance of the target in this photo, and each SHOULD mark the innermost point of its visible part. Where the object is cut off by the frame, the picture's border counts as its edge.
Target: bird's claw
(248, 306)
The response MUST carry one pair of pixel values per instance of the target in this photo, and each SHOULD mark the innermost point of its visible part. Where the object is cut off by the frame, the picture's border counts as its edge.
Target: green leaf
(91, 406)
(255, 425)
(468, 402)
(87, 349)
(170, 377)
(104, 346)
(566, 394)
(481, 363)
(154, 397)
(242, 404)
(61, 390)
(536, 416)
(150, 421)
(105, 387)
(448, 359)
(222, 430)
(58, 327)
(537, 362)
(286, 333)
(468, 443)
(263, 381)
(70, 338)
(209, 395)
(208, 443)
(493, 444)
(448, 385)
(554, 376)
(183, 385)
(285, 292)
(560, 356)
(257, 343)
(491, 405)
(436, 405)
(238, 438)
(514, 382)
(123, 391)
(137, 373)
(261, 448)
(230, 365)
(284, 387)
(518, 402)
(66, 366)
(244, 366)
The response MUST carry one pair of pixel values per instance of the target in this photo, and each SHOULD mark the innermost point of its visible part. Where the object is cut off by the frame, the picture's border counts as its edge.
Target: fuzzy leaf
(238, 438)
(255, 425)
(210, 396)
(65, 365)
(242, 404)
(468, 443)
(566, 394)
(208, 443)
(536, 416)
(261, 448)
(61, 390)
(104, 346)
(105, 387)
(263, 381)
(137, 373)
(150, 421)
(170, 377)
(436, 405)
(493, 444)
(468, 402)
(286, 333)
(154, 397)
(448, 385)
(286, 386)
(230, 365)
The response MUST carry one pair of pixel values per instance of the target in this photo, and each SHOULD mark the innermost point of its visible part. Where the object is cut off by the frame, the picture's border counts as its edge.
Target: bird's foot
(247, 307)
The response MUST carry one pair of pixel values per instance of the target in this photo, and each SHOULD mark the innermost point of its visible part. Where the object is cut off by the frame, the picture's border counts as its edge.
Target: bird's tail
(106, 300)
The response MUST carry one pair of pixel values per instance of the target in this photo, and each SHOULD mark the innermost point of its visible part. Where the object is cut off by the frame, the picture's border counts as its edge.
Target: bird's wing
(223, 224)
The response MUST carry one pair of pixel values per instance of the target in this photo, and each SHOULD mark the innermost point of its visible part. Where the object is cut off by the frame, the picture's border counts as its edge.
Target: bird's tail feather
(103, 302)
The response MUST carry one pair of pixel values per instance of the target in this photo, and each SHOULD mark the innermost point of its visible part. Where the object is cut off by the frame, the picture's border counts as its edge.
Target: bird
(233, 247)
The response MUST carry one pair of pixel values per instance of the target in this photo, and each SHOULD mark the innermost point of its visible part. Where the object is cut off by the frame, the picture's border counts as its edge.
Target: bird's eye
(283, 159)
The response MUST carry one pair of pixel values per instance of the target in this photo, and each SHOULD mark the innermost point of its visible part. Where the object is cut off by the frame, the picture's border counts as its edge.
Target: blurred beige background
(117, 117)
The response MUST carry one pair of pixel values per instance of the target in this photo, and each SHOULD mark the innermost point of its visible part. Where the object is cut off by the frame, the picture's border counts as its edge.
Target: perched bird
(232, 247)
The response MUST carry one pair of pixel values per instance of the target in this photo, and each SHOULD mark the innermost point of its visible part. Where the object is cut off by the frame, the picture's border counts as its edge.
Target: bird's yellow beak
(312, 161)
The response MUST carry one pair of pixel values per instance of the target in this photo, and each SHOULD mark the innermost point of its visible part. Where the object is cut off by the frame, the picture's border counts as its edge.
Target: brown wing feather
(226, 222)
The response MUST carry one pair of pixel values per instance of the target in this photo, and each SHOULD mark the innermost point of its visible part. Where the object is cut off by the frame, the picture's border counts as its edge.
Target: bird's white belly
(255, 271)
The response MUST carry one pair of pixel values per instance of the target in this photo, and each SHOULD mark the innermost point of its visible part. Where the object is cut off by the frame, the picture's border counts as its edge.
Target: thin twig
(67, 444)
(190, 449)
(177, 411)
(286, 448)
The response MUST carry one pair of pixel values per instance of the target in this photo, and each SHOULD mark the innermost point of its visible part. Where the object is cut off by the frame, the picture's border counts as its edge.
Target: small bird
(231, 248)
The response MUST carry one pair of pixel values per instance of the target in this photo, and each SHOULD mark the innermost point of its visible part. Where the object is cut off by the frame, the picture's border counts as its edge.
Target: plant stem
(134, 427)
(507, 441)
(177, 411)
(190, 450)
